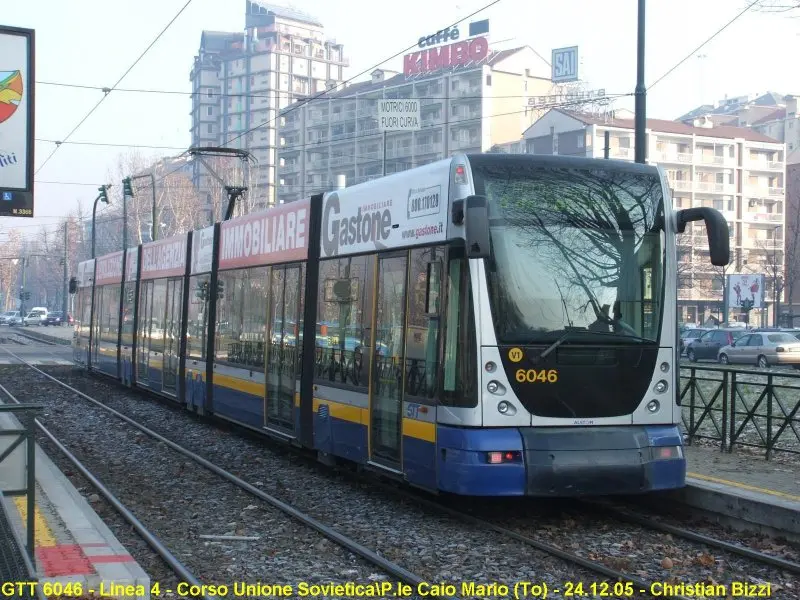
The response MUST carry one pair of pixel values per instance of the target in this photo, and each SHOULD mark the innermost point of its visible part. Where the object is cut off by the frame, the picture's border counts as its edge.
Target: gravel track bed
(424, 541)
(178, 501)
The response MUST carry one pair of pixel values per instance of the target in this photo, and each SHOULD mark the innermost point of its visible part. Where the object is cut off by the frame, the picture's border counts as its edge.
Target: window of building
(489, 81)
(210, 111)
(210, 128)
(210, 93)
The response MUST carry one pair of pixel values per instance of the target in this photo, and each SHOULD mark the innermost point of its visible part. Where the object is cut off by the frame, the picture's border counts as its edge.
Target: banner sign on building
(16, 121)
(85, 273)
(277, 235)
(460, 54)
(399, 115)
(202, 250)
(746, 291)
(565, 64)
(400, 211)
(164, 258)
(576, 96)
(109, 269)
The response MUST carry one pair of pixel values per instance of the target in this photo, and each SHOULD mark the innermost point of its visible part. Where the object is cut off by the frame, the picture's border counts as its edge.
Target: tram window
(108, 322)
(460, 350)
(127, 312)
(346, 289)
(423, 324)
(241, 317)
(196, 328)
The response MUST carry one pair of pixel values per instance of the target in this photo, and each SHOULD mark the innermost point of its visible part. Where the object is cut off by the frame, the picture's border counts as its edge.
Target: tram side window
(127, 312)
(241, 317)
(424, 322)
(460, 349)
(196, 328)
(108, 322)
(344, 321)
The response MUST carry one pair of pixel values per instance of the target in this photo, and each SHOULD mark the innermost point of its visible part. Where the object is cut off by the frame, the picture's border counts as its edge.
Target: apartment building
(241, 80)
(736, 170)
(468, 109)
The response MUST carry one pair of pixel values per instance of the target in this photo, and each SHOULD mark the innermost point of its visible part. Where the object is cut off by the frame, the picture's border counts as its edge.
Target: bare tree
(9, 267)
(777, 6)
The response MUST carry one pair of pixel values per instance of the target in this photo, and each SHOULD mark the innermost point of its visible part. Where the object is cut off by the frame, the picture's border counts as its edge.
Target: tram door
(158, 334)
(143, 336)
(282, 347)
(98, 312)
(386, 398)
(172, 334)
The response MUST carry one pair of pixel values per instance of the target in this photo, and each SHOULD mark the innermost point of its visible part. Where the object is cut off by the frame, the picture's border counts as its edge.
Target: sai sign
(565, 64)
(399, 115)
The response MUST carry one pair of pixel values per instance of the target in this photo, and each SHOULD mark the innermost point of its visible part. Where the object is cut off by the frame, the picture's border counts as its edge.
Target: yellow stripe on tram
(43, 536)
(743, 486)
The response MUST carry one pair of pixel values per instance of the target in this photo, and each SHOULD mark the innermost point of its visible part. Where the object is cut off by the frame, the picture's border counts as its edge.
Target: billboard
(744, 289)
(565, 65)
(16, 121)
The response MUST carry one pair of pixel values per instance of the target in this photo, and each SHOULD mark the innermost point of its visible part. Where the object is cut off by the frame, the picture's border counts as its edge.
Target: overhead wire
(106, 93)
(714, 35)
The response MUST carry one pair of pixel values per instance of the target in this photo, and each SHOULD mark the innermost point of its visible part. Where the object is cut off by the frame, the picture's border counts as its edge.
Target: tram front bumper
(588, 461)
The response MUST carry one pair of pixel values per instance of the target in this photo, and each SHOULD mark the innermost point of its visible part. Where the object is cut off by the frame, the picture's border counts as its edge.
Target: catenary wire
(693, 52)
(125, 74)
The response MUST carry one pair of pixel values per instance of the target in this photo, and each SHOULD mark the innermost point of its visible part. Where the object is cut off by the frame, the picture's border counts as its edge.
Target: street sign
(16, 121)
(565, 64)
(399, 115)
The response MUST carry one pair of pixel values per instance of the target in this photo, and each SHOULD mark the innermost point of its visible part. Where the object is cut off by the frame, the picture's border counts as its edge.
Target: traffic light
(127, 188)
(220, 289)
(73, 285)
(202, 291)
(103, 193)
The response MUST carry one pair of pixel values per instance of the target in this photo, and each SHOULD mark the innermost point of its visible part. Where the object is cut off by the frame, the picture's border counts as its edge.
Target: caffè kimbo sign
(456, 52)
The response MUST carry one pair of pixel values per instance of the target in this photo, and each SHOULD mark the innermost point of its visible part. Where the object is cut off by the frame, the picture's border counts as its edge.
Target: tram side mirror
(717, 229)
(73, 285)
(476, 226)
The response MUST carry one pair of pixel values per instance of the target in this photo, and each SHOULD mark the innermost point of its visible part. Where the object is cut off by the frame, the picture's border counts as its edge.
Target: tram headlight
(661, 386)
(653, 406)
(506, 408)
(495, 387)
(490, 367)
(664, 367)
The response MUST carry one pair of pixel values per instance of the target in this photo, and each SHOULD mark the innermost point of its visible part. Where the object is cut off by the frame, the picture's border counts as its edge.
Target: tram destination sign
(16, 121)
(399, 115)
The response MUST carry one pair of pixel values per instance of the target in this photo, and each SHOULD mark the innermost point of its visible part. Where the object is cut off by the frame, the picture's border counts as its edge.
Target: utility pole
(606, 144)
(641, 92)
(22, 293)
(66, 278)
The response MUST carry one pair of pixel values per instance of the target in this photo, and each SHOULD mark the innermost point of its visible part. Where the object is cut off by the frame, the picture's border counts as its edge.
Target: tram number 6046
(537, 375)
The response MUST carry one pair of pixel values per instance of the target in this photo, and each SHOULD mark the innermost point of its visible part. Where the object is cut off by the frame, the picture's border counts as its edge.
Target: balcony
(428, 149)
(290, 167)
(763, 244)
(761, 164)
(674, 157)
(681, 185)
(345, 115)
(762, 217)
(776, 191)
(714, 188)
(621, 152)
(717, 161)
(337, 161)
(399, 151)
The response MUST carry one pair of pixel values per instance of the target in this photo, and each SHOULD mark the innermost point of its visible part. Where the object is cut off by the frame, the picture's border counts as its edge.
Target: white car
(36, 317)
(6, 317)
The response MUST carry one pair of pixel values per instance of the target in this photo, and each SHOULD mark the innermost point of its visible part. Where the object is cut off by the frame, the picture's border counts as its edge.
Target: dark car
(687, 335)
(707, 345)
(57, 318)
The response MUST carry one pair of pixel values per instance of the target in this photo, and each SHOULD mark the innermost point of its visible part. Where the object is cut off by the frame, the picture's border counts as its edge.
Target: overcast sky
(93, 42)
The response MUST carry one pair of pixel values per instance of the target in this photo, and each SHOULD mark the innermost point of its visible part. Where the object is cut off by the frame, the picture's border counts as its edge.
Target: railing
(745, 407)
(23, 482)
(776, 191)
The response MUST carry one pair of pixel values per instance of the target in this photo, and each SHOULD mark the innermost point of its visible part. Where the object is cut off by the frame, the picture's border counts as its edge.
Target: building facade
(241, 80)
(740, 172)
(468, 109)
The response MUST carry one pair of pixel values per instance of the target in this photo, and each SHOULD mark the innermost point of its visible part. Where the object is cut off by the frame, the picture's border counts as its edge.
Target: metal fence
(15, 565)
(744, 407)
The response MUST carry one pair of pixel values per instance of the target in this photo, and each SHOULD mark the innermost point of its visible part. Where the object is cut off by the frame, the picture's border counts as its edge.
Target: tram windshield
(577, 254)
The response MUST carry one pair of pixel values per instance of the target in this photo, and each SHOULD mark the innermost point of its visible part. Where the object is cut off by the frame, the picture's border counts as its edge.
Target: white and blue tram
(491, 325)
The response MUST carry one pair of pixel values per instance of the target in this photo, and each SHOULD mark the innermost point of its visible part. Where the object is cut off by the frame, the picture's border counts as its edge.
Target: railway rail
(641, 585)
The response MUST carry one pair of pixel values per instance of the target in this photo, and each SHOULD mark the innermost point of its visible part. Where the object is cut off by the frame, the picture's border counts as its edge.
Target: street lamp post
(775, 286)
(102, 196)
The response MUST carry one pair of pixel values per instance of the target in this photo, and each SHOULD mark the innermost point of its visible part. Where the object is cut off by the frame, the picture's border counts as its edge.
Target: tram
(484, 325)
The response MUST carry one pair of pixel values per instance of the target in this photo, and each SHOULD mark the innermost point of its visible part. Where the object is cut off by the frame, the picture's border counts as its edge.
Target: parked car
(763, 349)
(56, 318)
(707, 345)
(15, 319)
(5, 318)
(687, 335)
(37, 316)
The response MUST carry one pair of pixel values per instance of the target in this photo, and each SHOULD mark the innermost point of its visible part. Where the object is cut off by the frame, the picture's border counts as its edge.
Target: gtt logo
(565, 64)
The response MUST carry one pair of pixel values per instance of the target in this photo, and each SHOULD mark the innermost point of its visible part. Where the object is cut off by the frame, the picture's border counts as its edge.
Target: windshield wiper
(547, 351)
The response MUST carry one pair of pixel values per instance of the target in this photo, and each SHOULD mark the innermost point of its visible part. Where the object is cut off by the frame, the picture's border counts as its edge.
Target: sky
(93, 42)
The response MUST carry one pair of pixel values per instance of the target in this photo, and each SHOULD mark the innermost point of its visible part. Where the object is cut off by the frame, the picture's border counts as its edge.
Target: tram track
(574, 558)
